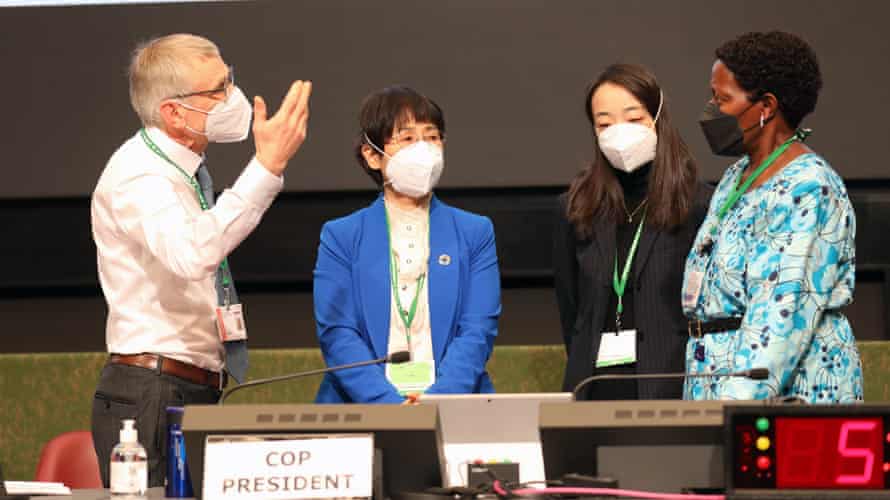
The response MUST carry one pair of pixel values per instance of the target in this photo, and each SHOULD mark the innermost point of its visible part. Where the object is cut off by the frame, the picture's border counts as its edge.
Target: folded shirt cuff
(257, 185)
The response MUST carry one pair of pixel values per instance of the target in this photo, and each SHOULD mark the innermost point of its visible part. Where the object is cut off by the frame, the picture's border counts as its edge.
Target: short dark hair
(595, 193)
(777, 62)
(385, 110)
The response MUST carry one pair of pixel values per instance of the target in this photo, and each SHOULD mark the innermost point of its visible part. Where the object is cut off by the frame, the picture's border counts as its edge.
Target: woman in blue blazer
(408, 272)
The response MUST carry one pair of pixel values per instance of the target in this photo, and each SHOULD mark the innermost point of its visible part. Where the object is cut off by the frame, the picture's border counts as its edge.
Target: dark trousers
(144, 395)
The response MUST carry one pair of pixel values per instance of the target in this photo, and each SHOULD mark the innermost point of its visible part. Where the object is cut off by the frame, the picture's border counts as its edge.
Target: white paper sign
(288, 466)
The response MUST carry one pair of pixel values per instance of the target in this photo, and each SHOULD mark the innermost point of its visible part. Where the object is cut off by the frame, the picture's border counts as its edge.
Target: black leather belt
(697, 328)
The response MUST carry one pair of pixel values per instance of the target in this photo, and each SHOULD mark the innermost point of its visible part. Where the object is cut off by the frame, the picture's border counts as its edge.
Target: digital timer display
(803, 450)
(829, 453)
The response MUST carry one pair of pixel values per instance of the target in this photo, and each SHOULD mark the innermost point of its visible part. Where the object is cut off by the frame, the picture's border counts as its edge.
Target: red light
(747, 439)
(886, 467)
(745, 467)
(763, 462)
(888, 437)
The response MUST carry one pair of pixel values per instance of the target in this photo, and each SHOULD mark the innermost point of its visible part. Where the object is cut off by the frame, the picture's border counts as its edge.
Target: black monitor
(404, 436)
(649, 445)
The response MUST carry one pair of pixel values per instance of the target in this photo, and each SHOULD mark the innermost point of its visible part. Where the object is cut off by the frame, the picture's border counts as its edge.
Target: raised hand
(278, 138)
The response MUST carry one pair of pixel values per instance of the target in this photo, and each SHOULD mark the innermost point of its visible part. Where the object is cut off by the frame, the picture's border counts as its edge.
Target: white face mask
(415, 170)
(628, 146)
(227, 121)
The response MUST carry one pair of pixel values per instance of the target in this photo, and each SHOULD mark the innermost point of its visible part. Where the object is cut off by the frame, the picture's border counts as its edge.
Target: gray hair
(160, 69)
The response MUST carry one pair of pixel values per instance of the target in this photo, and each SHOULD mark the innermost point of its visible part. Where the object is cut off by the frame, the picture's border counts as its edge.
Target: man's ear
(172, 116)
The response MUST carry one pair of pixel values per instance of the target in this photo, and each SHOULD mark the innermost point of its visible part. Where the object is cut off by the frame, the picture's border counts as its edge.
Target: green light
(762, 424)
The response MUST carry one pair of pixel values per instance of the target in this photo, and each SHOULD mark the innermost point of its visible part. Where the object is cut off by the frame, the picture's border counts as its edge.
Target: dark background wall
(510, 75)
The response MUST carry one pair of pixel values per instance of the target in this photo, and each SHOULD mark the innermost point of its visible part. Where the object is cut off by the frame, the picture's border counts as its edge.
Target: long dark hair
(595, 192)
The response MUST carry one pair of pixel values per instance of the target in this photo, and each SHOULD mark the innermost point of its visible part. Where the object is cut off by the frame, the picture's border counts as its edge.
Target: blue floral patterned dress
(783, 260)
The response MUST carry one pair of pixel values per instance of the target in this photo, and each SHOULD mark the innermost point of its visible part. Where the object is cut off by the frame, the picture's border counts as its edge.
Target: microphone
(394, 358)
(753, 374)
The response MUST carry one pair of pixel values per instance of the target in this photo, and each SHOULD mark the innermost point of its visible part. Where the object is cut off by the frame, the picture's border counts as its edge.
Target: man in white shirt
(162, 242)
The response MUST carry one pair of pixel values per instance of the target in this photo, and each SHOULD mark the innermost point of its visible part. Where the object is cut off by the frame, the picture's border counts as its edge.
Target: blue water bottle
(179, 483)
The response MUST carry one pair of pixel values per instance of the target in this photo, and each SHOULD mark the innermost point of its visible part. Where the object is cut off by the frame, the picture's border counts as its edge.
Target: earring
(761, 120)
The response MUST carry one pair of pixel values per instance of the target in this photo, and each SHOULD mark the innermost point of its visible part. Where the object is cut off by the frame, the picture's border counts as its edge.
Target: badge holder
(412, 377)
(230, 320)
(618, 347)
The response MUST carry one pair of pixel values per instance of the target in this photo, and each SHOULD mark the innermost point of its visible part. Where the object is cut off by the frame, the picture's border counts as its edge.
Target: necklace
(630, 215)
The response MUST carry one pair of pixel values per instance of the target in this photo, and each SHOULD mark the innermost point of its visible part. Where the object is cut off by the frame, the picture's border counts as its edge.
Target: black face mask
(722, 131)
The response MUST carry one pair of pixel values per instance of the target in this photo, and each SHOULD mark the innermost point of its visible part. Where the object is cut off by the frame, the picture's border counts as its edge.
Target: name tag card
(617, 348)
(412, 377)
(692, 290)
(288, 466)
(230, 323)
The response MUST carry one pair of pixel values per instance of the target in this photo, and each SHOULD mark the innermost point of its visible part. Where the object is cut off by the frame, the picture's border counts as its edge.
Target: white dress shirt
(158, 252)
(410, 241)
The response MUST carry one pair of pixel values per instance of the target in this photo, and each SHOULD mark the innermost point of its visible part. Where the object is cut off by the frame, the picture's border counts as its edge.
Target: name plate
(278, 466)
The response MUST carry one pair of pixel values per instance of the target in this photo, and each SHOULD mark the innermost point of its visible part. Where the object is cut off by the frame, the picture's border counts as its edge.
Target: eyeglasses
(226, 88)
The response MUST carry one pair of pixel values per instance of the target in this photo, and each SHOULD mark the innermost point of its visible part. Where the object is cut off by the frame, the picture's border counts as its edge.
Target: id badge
(617, 348)
(412, 377)
(230, 323)
(692, 289)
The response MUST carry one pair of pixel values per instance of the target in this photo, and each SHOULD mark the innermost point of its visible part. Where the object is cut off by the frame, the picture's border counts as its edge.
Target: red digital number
(802, 444)
(846, 452)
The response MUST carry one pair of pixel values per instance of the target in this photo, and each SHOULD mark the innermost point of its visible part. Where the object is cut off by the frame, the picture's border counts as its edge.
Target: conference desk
(650, 446)
(659, 446)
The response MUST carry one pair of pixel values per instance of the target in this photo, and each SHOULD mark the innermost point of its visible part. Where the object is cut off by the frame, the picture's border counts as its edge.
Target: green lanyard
(738, 191)
(619, 284)
(407, 316)
(201, 200)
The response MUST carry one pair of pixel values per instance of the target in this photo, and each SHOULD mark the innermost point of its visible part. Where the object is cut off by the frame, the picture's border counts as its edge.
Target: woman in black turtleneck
(623, 232)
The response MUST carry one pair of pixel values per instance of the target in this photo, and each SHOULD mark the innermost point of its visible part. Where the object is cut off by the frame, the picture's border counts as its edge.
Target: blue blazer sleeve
(462, 367)
(337, 319)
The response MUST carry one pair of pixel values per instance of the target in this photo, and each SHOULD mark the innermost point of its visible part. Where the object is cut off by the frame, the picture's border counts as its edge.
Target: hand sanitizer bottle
(129, 464)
